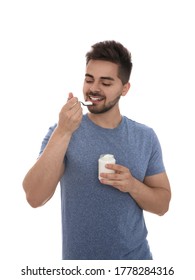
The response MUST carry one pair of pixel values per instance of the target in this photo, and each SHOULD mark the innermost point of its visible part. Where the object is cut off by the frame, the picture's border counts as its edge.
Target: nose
(95, 88)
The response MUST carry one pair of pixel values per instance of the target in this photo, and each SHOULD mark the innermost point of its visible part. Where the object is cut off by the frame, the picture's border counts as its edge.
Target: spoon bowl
(86, 103)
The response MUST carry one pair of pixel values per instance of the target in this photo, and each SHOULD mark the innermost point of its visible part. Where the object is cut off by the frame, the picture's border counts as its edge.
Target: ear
(126, 88)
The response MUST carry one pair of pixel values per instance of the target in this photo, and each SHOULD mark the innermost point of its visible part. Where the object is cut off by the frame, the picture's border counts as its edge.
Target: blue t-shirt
(99, 221)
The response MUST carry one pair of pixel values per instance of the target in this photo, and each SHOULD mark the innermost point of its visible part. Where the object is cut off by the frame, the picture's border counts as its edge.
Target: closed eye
(88, 81)
(106, 85)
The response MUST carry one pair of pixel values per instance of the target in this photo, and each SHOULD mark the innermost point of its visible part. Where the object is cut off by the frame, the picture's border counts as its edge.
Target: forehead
(100, 68)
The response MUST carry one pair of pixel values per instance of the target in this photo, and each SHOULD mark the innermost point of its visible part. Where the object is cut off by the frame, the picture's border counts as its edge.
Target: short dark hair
(114, 52)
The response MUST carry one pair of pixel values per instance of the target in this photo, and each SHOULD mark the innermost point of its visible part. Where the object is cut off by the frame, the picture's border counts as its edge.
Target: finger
(117, 167)
(77, 111)
(75, 107)
(71, 107)
(112, 176)
(112, 183)
(72, 102)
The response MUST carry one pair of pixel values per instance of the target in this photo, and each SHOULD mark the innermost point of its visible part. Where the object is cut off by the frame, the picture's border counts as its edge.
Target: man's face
(102, 86)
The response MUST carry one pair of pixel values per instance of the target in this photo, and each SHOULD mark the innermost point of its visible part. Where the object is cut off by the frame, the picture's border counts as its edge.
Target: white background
(42, 58)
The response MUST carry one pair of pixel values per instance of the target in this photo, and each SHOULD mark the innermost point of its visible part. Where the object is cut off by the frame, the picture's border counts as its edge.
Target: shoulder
(142, 134)
(137, 127)
(47, 137)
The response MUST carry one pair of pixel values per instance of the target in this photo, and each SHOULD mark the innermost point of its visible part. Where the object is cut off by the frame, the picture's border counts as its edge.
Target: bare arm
(152, 195)
(41, 180)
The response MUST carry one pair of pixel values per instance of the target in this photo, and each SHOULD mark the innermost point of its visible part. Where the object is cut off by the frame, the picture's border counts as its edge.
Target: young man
(101, 219)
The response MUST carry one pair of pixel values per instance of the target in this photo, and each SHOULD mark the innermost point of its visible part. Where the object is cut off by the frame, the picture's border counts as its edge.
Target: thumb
(70, 95)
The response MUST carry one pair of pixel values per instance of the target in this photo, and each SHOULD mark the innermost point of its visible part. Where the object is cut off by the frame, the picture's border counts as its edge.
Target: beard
(100, 109)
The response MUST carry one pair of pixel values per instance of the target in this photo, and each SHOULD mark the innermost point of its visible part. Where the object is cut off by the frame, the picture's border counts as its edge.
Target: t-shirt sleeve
(155, 164)
(46, 138)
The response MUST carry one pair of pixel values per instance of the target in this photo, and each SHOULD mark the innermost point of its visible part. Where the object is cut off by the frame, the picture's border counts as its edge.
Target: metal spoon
(86, 103)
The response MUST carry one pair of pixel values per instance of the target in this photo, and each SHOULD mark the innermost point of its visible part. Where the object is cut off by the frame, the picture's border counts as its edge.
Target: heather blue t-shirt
(99, 221)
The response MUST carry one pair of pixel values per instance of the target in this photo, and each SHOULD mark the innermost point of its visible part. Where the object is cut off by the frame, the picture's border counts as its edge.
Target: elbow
(165, 208)
(32, 200)
(163, 211)
(34, 203)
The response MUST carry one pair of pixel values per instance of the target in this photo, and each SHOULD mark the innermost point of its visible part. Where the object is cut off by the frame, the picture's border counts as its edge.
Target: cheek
(114, 94)
(86, 87)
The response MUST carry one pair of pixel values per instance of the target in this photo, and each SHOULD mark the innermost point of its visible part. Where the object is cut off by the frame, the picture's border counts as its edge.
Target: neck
(108, 119)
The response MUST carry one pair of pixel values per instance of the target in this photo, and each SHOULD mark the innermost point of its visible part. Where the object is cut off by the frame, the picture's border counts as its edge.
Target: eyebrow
(102, 78)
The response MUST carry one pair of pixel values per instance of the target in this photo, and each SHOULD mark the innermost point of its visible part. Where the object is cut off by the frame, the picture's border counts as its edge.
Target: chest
(85, 149)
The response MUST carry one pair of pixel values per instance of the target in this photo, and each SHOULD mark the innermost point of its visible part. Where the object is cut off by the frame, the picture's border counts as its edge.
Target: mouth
(96, 99)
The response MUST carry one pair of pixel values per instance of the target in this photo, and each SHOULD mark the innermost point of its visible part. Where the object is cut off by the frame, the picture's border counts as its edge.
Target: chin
(95, 110)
